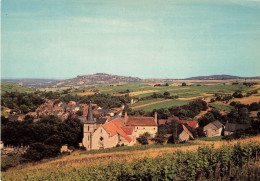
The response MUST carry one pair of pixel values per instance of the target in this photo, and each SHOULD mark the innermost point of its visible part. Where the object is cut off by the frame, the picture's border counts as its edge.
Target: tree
(183, 84)
(160, 138)
(206, 119)
(238, 94)
(175, 131)
(79, 113)
(166, 93)
(166, 84)
(254, 106)
(143, 139)
(24, 109)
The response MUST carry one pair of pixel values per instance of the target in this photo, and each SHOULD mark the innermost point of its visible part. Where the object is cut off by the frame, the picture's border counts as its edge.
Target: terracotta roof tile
(187, 131)
(113, 127)
(192, 124)
(162, 121)
(128, 130)
(141, 121)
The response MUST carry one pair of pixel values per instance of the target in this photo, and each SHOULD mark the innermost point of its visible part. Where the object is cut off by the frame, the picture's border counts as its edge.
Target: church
(99, 135)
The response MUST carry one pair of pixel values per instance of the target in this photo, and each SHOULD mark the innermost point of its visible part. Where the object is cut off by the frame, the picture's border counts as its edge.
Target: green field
(140, 90)
(8, 87)
(164, 105)
(222, 107)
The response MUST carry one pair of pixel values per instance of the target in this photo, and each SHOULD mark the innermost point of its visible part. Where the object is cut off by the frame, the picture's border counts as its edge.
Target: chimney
(155, 117)
(125, 116)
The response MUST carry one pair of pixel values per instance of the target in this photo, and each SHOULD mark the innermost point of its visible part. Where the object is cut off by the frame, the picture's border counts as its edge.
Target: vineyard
(223, 160)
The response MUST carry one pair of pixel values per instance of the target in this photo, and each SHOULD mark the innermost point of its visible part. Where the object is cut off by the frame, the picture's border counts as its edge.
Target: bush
(143, 139)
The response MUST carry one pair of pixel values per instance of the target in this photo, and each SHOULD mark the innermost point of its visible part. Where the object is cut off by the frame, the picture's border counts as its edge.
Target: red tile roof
(162, 121)
(118, 122)
(187, 131)
(128, 130)
(113, 127)
(192, 124)
(22, 116)
(169, 120)
(141, 121)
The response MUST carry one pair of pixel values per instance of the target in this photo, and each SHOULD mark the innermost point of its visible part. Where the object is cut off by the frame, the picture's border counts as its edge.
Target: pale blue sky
(144, 38)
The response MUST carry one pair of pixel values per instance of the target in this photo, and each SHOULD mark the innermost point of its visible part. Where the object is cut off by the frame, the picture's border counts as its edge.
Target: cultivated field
(196, 89)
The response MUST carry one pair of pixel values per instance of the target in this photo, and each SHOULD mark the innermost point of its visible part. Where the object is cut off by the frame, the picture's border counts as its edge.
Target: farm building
(183, 133)
(230, 128)
(213, 129)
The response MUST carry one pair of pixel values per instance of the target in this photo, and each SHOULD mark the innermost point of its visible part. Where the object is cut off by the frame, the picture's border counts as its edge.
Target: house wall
(211, 130)
(139, 130)
(184, 136)
(226, 133)
(97, 143)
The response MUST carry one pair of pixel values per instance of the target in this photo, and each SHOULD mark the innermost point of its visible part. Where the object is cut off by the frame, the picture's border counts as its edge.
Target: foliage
(143, 139)
(238, 94)
(240, 115)
(23, 101)
(211, 116)
(10, 161)
(44, 137)
(190, 110)
(170, 166)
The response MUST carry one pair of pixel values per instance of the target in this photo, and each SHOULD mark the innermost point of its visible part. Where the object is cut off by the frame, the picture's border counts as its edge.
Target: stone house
(142, 125)
(213, 129)
(183, 133)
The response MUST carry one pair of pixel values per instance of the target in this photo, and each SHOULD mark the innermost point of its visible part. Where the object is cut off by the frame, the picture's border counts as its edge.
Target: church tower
(89, 128)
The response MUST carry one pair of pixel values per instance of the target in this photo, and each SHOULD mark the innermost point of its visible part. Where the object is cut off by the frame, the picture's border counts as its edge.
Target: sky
(143, 38)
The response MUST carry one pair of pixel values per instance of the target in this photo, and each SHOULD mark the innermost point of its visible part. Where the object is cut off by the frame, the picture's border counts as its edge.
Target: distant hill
(220, 77)
(32, 82)
(96, 79)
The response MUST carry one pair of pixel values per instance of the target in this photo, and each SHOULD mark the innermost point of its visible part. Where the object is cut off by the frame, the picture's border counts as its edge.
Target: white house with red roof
(142, 125)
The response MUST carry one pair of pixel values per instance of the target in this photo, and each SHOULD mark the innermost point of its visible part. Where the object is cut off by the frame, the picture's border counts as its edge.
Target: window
(137, 127)
(154, 128)
(101, 138)
(88, 138)
(101, 131)
(144, 128)
(88, 128)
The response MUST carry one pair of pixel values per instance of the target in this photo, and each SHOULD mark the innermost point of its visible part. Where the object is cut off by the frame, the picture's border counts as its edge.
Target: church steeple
(90, 118)
(89, 128)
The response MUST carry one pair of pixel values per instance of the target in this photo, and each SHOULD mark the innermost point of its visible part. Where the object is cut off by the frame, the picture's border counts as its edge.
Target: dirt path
(148, 104)
(202, 113)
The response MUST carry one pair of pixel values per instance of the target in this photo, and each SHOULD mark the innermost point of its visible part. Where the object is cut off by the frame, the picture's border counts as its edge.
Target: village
(105, 128)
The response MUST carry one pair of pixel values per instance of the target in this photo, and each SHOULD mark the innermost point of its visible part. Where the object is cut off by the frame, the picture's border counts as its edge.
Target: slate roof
(140, 121)
(232, 127)
(101, 120)
(217, 124)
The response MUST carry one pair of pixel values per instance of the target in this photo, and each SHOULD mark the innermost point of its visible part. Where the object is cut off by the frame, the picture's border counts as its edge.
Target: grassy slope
(166, 105)
(8, 87)
(78, 160)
